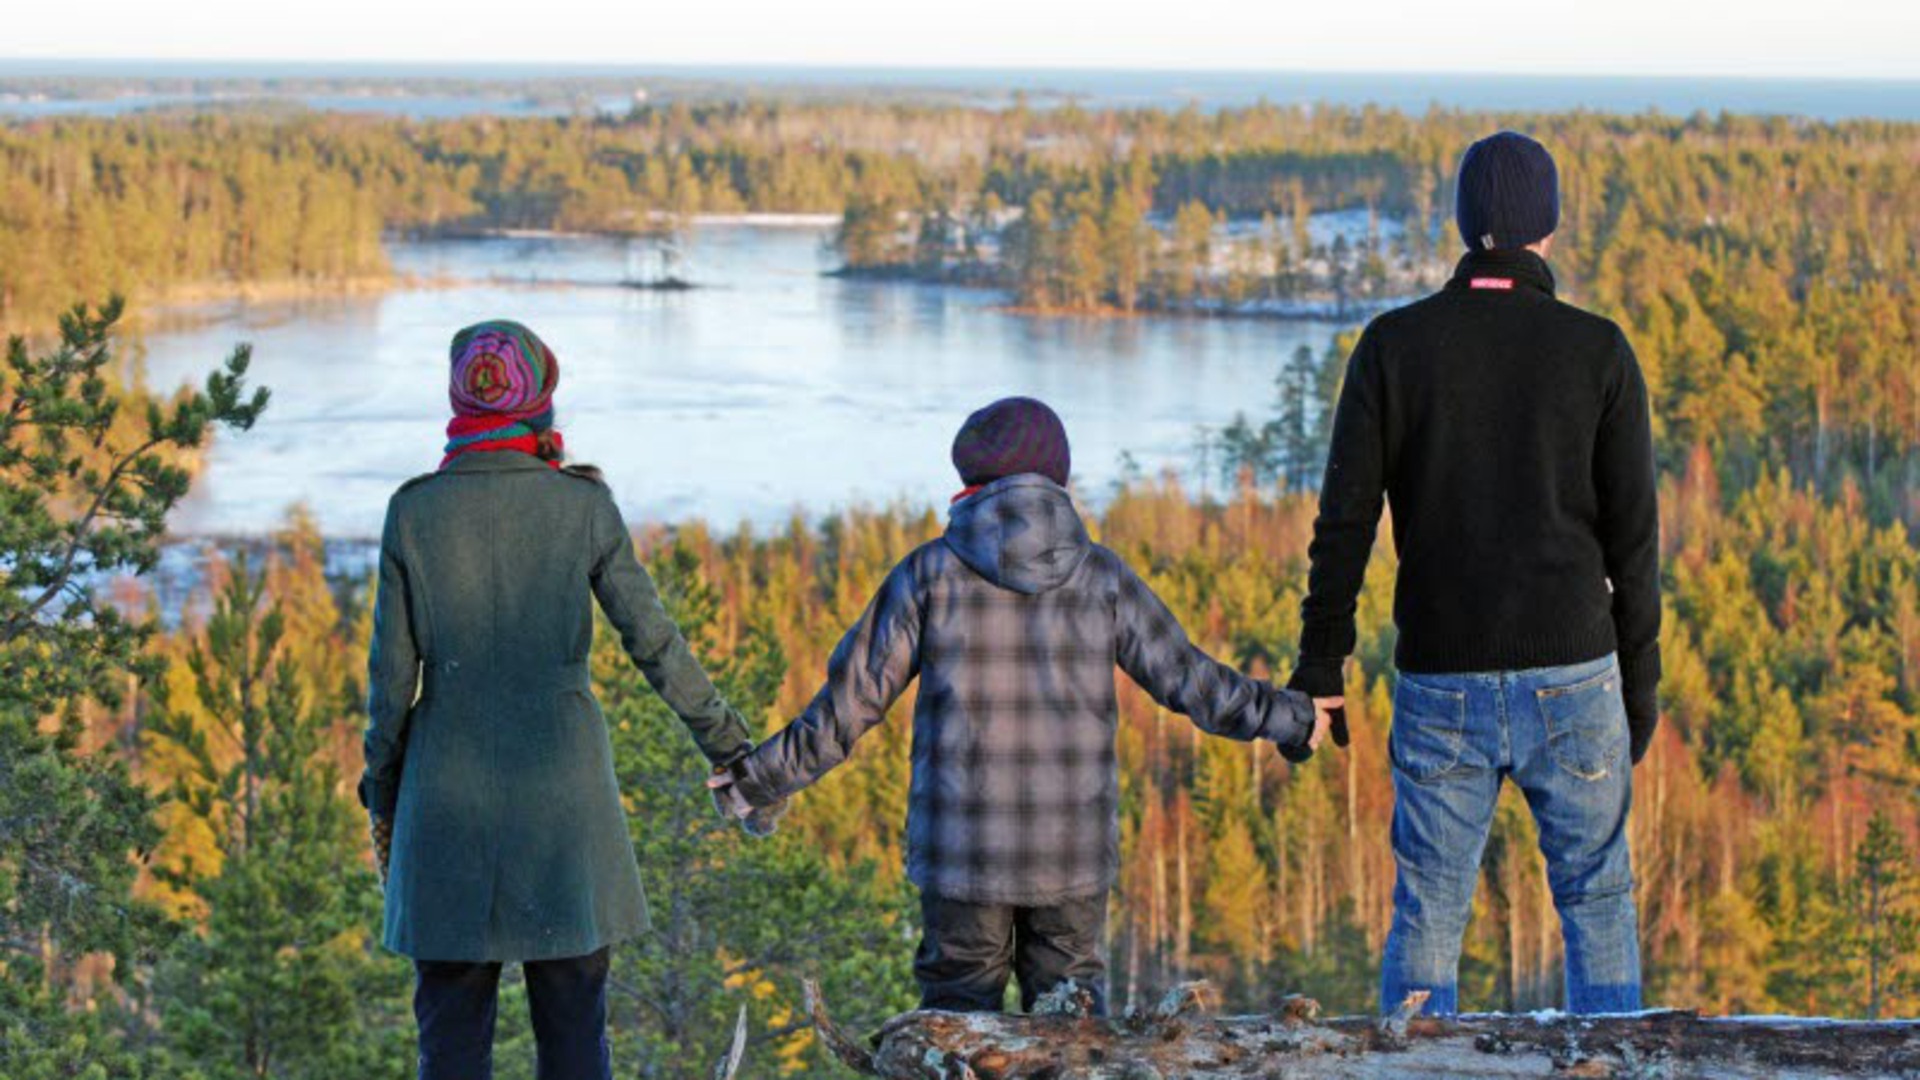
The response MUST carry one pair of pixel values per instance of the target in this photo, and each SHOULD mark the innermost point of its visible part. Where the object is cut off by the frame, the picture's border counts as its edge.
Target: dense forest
(1076, 209)
(1764, 269)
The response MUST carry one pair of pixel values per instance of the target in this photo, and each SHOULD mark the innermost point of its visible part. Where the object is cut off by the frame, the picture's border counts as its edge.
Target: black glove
(1640, 693)
(1319, 676)
(1640, 735)
(1322, 677)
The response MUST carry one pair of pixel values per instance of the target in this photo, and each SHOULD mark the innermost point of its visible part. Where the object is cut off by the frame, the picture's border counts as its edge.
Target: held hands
(1329, 718)
(1320, 678)
(758, 821)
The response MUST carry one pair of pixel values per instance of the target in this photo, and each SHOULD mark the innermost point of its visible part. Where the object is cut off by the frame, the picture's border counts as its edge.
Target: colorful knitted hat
(1012, 436)
(501, 389)
(501, 368)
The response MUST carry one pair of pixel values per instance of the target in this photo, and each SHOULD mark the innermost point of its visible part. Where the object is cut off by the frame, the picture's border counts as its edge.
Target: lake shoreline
(659, 223)
(1269, 309)
(193, 304)
(163, 307)
(170, 307)
(1304, 312)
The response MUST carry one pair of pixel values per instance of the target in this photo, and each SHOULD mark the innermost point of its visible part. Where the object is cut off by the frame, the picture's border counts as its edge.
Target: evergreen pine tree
(284, 978)
(85, 488)
(1300, 453)
(1883, 913)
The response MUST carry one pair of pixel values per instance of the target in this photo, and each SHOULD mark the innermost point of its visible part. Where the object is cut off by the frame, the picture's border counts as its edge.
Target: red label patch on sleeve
(1501, 283)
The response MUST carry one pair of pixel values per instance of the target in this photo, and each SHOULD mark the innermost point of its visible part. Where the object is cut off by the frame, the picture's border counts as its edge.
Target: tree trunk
(1133, 961)
(1356, 880)
(1158, 913)
(1510, 900)
(1183, 925)
(1175, 1040)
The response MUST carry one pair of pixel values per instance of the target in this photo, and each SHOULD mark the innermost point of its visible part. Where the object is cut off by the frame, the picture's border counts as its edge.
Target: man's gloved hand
(382, 829)
(1329, 718)
(1639, 738)
(1322, 679)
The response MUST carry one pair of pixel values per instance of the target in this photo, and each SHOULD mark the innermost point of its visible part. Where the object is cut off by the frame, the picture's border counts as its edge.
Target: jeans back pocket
(1586, 724)
(1429, 723)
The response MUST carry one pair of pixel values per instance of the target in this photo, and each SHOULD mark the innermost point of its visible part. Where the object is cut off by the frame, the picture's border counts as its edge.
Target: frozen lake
(771, 390)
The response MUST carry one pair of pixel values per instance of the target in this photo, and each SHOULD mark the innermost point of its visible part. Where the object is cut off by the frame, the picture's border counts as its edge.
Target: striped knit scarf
(484, 434)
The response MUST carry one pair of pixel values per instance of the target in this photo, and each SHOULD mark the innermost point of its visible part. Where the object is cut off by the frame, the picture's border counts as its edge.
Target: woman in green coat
(490, 782)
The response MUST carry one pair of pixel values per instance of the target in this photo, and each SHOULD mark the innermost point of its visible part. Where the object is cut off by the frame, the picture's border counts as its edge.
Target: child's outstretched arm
(868, 671)
(1155, 652)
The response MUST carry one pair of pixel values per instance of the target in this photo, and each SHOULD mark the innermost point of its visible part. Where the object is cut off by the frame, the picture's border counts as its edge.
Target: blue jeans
(1561, 735)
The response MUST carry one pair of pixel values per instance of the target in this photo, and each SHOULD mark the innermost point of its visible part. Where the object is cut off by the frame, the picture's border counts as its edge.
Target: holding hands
(1329, 718)
(1321, 679)
(758, 821)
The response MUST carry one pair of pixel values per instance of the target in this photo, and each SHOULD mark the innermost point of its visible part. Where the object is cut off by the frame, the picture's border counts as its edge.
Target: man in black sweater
(1510, 433)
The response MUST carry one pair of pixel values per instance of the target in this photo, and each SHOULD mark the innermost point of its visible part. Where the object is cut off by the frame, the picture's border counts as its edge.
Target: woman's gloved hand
(382, 829)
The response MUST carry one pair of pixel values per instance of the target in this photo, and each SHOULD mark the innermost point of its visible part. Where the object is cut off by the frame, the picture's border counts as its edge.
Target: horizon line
(512, 69)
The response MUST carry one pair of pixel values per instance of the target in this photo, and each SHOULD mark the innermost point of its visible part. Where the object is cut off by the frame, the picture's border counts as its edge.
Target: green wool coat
(484, 745)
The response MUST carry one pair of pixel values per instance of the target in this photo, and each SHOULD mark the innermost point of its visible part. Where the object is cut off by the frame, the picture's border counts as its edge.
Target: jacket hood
(1021, 533)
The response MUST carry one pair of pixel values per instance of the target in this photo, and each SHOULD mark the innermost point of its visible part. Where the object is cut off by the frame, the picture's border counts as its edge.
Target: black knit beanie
(1012, 436)
(1509, 193)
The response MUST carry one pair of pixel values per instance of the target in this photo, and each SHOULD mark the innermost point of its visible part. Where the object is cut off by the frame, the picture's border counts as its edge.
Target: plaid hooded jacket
(1013, 622)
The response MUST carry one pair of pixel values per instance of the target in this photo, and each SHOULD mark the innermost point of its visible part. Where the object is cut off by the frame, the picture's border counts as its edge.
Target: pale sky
(1829, 38)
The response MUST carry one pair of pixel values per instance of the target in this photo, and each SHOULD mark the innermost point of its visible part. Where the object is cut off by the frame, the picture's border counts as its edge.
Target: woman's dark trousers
(455, 1003)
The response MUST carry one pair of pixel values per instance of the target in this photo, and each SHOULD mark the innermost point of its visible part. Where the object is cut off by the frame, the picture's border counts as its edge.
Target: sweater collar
(1502, 270)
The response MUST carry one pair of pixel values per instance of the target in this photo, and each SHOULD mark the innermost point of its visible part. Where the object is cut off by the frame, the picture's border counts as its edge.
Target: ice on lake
(771, 389)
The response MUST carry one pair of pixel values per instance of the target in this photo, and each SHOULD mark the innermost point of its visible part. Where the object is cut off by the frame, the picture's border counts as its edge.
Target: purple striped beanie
(1009, 437)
